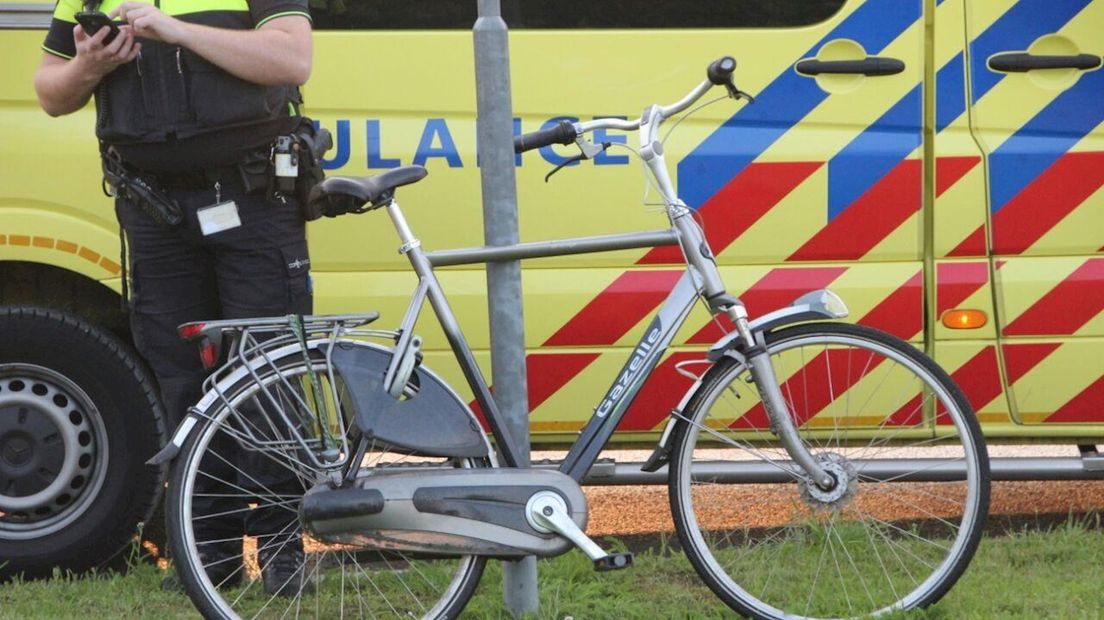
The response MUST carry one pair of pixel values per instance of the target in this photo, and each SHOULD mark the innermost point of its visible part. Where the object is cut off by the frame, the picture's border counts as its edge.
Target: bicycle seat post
(409, 241)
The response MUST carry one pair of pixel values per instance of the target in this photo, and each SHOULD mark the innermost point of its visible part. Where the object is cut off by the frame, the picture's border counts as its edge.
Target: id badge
(218, 217)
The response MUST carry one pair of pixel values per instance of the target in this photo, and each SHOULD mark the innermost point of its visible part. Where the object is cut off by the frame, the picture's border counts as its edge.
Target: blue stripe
(1014, 31)
(874, 152)
(1045, 138)
(887, 141)
(950, 92)
(782, 104)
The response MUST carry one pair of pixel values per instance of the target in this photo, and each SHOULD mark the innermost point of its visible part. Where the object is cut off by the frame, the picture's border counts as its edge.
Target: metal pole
(500, 227)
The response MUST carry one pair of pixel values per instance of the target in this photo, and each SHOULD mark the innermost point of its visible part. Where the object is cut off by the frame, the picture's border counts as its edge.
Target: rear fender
(199, 411)
(815, 306)
(437, 406)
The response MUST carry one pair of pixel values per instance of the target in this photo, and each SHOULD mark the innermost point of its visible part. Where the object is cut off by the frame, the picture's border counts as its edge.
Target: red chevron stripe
(739, 204)
(660, 394)
(974, 245)
(949, 170)
(548, 372)
(1068, 306)
(956, 281)
(545, 373)
(979, 379)
(615, 311)
(911, 414)
(1088, 406)
(814, 386)
(777, 289)
(873, 216)
(900, 313)
(1020, 358)
(1052, 196)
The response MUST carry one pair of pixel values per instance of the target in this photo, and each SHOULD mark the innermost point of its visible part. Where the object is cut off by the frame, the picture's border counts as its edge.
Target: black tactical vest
(172, 91)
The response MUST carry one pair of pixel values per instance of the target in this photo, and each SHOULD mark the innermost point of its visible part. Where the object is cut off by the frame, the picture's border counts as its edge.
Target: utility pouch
(151, 200)
(254, 172)
(311, 144)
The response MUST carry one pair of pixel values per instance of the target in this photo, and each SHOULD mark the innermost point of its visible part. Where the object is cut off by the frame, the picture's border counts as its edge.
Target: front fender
(815, 306)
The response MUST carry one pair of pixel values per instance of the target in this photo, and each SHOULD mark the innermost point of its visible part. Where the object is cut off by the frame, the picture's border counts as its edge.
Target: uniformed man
(190, 98)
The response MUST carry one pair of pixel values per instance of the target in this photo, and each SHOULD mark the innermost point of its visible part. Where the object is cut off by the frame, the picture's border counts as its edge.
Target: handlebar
(719, 73)
(563, 132)
(720, 70)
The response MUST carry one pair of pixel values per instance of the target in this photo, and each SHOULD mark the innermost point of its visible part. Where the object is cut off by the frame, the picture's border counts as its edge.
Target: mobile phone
(92, 21)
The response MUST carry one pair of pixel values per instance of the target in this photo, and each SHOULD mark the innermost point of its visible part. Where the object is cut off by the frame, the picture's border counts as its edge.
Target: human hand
(102, 59)
(149, 22)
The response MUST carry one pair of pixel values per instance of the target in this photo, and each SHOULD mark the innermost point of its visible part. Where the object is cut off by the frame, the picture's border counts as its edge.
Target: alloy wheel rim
(53, 451)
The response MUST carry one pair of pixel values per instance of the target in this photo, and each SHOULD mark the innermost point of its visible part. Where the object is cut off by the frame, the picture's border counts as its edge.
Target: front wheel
(911, 473)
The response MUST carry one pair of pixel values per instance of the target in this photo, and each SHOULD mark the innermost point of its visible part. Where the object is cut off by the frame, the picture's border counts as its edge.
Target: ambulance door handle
(871, 65)
(1018, 62)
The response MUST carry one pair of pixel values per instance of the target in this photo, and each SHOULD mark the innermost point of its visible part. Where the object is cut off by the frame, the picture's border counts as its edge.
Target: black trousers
(260, 268)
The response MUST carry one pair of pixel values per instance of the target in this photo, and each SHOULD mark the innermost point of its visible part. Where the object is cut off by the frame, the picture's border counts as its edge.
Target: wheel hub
(49, 447)
(32, 451)
(17, 449)
(841, 493)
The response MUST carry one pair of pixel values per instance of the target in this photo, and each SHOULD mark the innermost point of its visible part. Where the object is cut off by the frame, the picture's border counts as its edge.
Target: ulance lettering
(439, 142)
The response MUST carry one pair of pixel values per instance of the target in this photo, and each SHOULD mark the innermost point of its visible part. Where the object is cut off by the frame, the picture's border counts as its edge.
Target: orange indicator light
(964, 319)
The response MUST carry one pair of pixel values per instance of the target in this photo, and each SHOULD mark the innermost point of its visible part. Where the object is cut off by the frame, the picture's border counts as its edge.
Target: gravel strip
(645, 509)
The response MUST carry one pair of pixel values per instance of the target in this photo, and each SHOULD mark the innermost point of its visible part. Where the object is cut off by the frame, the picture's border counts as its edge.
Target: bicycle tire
(795, 517)
(374, 590)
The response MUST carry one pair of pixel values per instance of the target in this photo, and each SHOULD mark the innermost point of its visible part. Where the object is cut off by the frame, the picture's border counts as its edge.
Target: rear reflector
(208, 354)
(190, 330)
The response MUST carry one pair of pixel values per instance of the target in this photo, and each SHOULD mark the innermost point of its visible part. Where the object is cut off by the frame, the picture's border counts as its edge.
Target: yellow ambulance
(938, 163)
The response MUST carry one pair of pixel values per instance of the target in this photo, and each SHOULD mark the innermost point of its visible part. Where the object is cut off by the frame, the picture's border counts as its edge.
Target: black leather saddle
(338, 195)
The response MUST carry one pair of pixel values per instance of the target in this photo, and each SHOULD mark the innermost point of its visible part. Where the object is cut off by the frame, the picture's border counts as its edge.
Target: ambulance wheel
(79, 417)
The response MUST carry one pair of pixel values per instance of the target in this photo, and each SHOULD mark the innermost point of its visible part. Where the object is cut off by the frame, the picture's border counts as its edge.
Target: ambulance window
(571, 14)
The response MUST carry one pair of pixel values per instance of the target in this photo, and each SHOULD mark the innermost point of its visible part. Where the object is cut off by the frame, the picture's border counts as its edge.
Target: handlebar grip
(720, 70)
(562, 133)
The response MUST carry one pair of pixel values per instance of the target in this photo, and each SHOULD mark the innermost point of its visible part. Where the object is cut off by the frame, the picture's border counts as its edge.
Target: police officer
(190, 101)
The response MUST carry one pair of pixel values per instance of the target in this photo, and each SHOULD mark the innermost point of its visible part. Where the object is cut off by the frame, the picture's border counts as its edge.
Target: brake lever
(738, 94)
(589, 150)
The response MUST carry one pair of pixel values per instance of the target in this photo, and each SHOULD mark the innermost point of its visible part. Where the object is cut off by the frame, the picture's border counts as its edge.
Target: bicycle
(866, 456)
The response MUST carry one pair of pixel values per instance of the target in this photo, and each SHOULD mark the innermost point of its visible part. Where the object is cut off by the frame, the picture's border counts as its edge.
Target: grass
(1029, 574)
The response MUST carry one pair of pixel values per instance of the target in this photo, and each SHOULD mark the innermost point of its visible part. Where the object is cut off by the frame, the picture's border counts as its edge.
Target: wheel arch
(60, 287)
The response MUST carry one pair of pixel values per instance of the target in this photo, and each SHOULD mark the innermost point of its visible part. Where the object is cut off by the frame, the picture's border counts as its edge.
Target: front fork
(781, 422)
(701, 260)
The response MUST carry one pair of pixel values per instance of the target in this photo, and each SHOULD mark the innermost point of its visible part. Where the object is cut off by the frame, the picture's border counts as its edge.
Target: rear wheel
(341, 580)
(78, 419)
(912, 479)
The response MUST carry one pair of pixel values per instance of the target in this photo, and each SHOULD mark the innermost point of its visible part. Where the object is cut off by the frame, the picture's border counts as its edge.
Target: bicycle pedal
(613, 561)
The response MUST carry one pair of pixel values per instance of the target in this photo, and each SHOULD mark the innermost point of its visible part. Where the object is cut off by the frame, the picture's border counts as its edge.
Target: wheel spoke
(880, 562)
(241, 460)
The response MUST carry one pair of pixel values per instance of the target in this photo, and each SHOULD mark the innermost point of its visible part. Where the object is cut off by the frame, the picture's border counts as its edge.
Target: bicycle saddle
(339, 195)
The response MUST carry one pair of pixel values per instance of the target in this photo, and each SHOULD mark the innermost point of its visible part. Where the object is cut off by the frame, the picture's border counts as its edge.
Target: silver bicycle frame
(701, 278)
(644, 358)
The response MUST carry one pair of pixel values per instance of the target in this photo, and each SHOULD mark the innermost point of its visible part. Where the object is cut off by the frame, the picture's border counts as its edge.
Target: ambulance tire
(79, 417)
